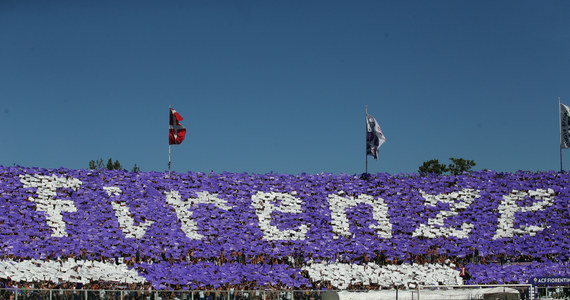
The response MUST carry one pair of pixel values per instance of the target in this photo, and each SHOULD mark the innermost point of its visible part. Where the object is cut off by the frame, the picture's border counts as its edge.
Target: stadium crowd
(295, 262)
(77, 213)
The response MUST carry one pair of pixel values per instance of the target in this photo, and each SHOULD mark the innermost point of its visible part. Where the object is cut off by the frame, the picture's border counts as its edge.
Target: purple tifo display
(273, 230)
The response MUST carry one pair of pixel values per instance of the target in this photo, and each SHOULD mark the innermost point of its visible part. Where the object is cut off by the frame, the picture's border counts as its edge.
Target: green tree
(96, 164)
(456, 167)
(114, 166)
(460, 165)
(117, 165)
(432, 167)
(110, 165)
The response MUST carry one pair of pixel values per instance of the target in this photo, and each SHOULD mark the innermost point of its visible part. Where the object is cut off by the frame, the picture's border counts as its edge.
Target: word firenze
(284, 217)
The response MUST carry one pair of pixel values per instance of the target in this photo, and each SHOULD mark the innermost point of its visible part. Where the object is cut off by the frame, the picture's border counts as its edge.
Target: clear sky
(282, 86)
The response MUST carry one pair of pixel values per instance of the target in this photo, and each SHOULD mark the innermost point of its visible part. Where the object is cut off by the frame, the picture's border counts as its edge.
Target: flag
(374, 136)
(176, 132)
(564, 126)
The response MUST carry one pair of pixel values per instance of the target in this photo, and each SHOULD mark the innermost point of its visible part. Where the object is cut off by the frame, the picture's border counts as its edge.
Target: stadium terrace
(199, 230)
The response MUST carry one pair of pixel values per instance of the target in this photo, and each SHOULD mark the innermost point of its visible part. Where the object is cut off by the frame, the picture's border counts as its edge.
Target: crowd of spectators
(26, 237)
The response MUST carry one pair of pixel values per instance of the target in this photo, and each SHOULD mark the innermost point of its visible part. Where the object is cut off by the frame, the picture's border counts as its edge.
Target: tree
(432, 167)
(98, 164)
(460, 165)
(117, 165)
(110, 164)
(456, 167)
(113, 166)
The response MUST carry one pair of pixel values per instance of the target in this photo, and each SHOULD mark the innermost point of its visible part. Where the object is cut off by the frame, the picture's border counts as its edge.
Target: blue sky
(281, 86)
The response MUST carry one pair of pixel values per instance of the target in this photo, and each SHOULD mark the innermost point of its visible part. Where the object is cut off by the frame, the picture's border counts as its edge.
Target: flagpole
(366, 145)
(560, 129)
(170, 120)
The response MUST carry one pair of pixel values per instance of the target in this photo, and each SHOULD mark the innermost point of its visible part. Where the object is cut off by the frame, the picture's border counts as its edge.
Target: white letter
(47, 191)
(123, 214)
(509, 207)
(466, 197)
(264, 207)
(338, 206)
(182, 209)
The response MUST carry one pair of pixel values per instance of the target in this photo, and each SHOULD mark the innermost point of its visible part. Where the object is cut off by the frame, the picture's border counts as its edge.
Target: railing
(466, 292)
(67, 294)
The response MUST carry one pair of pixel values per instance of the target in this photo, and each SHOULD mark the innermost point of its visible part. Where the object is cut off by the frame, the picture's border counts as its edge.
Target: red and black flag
(177, 132)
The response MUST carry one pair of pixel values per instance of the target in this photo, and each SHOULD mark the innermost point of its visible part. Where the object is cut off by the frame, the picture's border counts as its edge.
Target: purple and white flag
(564, 126)
(374, 136)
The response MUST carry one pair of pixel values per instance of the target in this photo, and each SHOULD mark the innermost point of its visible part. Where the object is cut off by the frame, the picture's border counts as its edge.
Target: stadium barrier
(79, 294)
(465, 292)
(484, 292)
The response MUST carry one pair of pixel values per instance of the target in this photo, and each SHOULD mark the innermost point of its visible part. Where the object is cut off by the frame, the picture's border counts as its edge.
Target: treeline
(456, 167)
(99, 164)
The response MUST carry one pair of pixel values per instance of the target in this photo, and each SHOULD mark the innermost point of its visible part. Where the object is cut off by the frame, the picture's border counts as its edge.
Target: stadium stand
(98, 229)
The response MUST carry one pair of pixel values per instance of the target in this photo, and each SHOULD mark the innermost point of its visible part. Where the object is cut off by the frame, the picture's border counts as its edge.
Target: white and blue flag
(564, 126)
(374, 136)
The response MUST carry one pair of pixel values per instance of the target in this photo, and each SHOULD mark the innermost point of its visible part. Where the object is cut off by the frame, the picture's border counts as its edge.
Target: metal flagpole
(560, 129)
(169, 121)
(366, 144)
